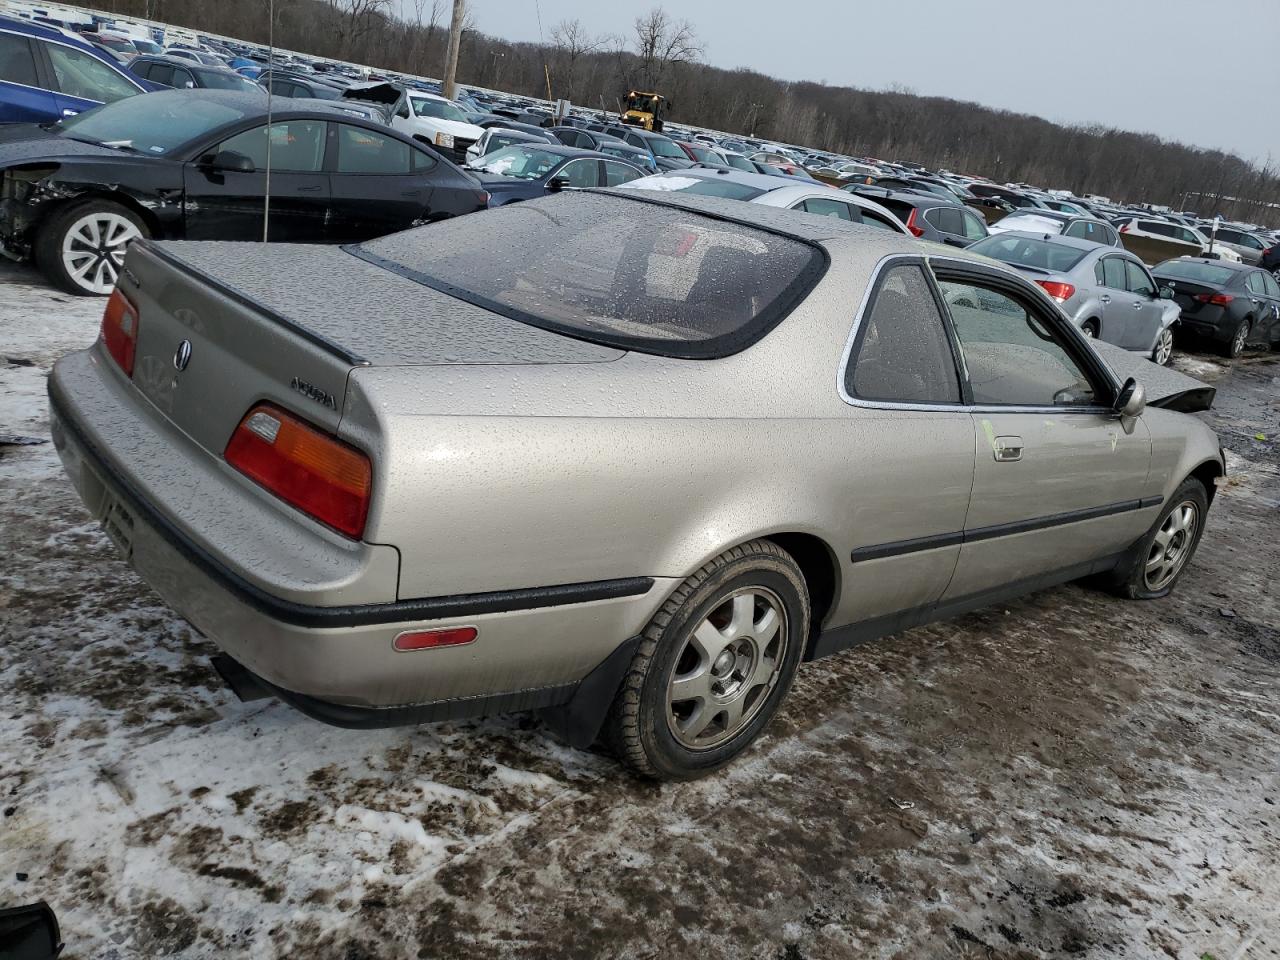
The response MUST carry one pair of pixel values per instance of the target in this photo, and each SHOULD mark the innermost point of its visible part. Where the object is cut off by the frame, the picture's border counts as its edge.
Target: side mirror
(1132, 400)
(557, 183)
(1166, 293)
(30, 933)
(231, 161)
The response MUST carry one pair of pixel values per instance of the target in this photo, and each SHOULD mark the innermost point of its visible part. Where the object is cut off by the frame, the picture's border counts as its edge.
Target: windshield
(221, 80)
(630, 154)
(152, 124)
(523, 163)
(440, 109)
(663, 147)
(1026, 252)
(1196, 272)
(702, 155)
(601, 267)
(146, 46)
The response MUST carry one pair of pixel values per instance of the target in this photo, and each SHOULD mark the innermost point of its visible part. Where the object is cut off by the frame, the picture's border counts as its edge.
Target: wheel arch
(108, 195)
(1207, 473)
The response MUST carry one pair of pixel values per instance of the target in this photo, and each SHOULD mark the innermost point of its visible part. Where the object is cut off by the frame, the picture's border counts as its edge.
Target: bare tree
(357, 19)
(660, 43)
(572, 43)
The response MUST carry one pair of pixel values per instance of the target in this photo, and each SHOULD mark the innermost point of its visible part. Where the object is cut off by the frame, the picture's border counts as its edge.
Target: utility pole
(451, 58)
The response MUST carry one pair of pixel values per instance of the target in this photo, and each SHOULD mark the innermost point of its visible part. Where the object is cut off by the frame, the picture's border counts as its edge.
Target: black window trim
(1013, 285)
(716, 348)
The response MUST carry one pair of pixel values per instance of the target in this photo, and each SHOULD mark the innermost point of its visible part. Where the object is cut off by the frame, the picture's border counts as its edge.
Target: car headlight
(444, 140)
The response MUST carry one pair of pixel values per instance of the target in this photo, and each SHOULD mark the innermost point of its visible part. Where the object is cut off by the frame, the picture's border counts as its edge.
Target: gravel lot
(1067, 775)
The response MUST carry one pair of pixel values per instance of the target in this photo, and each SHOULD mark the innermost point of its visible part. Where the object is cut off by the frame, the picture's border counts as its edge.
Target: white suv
(1195, 242)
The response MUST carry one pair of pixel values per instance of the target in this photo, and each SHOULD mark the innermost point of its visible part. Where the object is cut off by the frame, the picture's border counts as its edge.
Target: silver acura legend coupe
(627, 459)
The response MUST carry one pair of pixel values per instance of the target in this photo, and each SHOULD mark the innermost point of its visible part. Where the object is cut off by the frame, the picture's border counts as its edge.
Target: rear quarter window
(604, 268)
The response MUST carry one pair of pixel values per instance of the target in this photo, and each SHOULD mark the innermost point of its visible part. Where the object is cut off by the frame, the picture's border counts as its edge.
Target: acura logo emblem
(182, 356)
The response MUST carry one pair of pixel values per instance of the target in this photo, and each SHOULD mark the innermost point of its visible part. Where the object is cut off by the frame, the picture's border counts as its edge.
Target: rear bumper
(336, 662)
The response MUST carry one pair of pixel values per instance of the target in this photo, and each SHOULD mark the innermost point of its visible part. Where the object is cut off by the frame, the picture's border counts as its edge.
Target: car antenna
(271, 62)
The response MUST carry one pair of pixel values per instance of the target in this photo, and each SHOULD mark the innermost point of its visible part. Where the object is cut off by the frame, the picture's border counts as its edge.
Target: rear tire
(1162, 556)
(1089, 328)
(81, 248)
(1235, 346)
(712, 666)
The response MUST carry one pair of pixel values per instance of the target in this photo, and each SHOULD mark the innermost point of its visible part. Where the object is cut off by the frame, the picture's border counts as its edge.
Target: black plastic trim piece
(350, 615)
(899, 547)
(578, 721)
(373, 718)
(841, 638)
(339, 351)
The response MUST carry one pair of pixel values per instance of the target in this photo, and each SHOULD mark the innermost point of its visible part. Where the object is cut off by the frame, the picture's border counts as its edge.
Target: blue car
(46, 74)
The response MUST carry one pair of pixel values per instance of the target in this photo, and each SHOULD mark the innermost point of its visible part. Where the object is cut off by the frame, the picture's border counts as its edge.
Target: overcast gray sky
(1136, 64)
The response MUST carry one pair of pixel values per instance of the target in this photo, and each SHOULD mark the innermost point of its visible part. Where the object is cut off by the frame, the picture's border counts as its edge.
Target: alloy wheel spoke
(742, 620)
(692, 686)
(764, 671)
(79, 271)
(733, 711)
(698, 721)
(709, 642)
(766, 628)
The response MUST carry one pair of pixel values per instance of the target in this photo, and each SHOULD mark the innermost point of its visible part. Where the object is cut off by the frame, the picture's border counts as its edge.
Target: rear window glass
(703, 186)
(607, 269)
(1198, 272)
(1024, 252)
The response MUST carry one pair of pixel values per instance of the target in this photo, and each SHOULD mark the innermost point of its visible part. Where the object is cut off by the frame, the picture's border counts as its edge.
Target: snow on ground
(1064, 775)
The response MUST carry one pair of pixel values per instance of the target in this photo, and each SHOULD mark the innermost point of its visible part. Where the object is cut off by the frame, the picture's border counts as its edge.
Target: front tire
(1090, 329)
(1159, 561)
(81, 248)
(713, 665)
(1163, 350)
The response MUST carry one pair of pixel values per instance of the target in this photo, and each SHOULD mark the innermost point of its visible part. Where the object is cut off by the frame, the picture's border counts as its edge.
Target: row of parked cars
(182, 165)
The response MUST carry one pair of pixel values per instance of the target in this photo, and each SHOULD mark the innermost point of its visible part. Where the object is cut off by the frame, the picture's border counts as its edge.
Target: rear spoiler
(1165, 388)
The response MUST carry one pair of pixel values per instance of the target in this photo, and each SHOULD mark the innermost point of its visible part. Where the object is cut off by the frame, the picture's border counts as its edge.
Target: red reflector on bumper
(426, 639)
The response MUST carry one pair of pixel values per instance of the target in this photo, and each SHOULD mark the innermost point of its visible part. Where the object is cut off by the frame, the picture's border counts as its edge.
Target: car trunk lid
(287, 323)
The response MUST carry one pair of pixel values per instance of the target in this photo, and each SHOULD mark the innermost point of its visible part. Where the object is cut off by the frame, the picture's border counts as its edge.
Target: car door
(616, 173)
(1269, 329)
(229, 205)
(81, 81)
(902, 528)
(374, 186)
(579, 174)
(1117, 302)
(1148, 308)
(947, 221)
(1263, 307)
(24, 96)
(1059, 482)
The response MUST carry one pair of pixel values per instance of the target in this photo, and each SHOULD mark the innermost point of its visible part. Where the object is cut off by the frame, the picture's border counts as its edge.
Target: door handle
(314, 188)
(68, 112)
(1137, 304)
(1105, 299)
(411, 193)
(1007, 449)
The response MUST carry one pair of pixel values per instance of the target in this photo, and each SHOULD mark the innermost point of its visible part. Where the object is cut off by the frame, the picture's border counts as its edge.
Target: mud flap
(578, 722)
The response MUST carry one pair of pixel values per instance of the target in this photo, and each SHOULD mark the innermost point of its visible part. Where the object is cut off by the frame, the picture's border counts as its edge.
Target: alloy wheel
(1088, 331)
(1172, 545)
(1237, 345)
(1164, 347)
(726, 668)
(93, 249)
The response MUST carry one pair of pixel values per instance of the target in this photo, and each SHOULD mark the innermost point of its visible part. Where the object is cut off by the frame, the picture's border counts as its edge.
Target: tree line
(665, 53)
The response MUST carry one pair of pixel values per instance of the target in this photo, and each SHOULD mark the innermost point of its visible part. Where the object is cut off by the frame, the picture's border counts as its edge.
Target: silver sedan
(1107, 292)
(628, 458)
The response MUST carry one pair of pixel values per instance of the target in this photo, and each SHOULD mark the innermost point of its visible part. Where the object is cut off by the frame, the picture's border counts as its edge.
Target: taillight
(321, 476)
(915, 228)
(1124, 228)
(1217, 299)
(1058, 290)
(483, 197)
(120, 330)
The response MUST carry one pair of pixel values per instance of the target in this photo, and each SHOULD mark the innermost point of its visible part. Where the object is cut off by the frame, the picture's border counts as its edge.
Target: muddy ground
(1068, 775)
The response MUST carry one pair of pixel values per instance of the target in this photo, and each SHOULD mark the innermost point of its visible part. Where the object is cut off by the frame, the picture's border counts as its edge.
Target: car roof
(39, 30)
(1058, 240)
(1226, 264)
(761, 181)
(924, 198)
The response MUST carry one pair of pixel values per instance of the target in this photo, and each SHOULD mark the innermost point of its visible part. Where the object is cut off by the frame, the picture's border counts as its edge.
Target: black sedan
(192, 165)
(1233, 304)
(524, 171)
